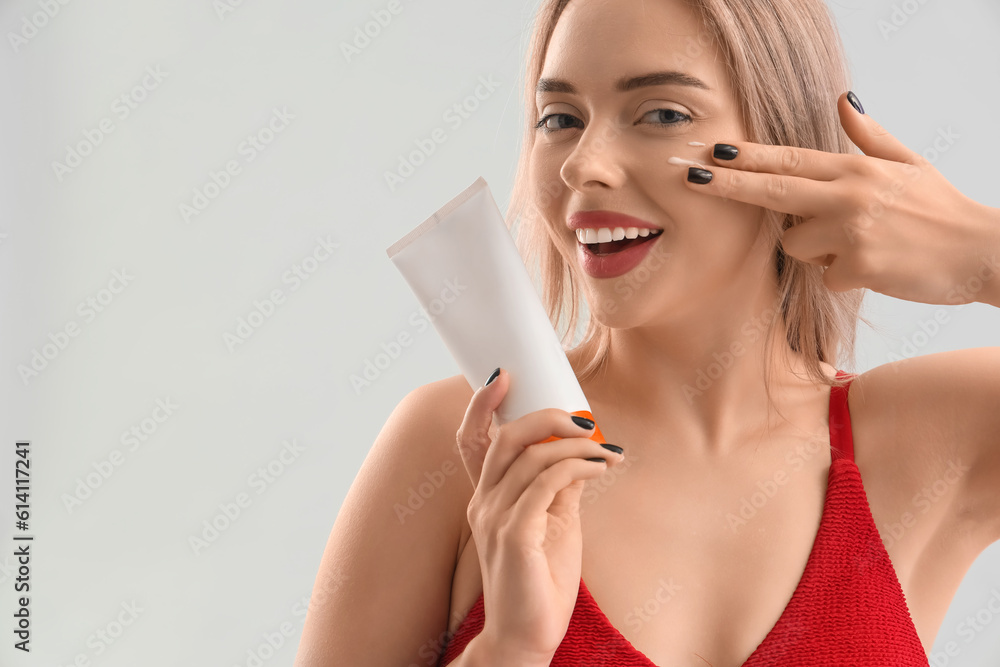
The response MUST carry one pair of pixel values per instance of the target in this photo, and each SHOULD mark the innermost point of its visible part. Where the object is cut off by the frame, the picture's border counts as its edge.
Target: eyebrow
(626, 84)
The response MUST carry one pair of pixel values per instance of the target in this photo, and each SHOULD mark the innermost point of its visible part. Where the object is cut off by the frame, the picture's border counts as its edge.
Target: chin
(616, 312)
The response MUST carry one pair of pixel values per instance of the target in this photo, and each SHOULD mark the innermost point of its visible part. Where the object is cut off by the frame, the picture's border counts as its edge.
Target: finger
(813, 241)
(870, 137)
(786, 160)
(786, 194)
(473, 436)
(529, 431)
(540, 495)
(841, 276)
(534, 459)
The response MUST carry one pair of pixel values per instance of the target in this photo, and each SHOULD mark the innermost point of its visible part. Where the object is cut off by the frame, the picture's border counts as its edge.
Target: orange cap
(596, 436)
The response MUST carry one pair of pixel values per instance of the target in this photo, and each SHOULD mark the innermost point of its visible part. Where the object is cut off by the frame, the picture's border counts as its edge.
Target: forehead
(598, 42)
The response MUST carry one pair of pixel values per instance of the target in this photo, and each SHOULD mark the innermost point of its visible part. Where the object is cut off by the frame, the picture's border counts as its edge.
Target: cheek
(547, 188)
(544, 168)
(721, 211)
(709, 231)
(704, 213)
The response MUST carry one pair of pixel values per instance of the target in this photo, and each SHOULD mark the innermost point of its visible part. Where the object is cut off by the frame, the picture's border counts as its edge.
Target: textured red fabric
(848, 608)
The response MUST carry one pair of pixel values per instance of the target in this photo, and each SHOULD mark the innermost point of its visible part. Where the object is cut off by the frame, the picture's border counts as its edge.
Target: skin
(690, 459)
(719, 275)
(653, 526)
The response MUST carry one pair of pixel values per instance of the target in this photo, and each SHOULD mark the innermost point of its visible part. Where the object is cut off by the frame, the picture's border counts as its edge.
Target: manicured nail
(597, 459)
(614, 448)
(725, 152)
(696, 175)
(855, 102)
(493, 376)
(583, 421)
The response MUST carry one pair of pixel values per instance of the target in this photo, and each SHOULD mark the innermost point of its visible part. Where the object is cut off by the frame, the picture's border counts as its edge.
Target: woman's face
(607, 149)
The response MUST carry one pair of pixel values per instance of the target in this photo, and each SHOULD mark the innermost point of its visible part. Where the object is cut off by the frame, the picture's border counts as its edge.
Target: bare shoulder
(931, 426)
(437, 410)
(940, 382)
(428, 419)
(446, 398)
(382, 594)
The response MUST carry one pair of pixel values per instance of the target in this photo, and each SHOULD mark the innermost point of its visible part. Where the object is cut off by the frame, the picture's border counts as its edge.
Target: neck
(704, 384)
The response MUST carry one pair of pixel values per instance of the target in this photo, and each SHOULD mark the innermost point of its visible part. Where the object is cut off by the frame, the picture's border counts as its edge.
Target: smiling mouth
(612, 247)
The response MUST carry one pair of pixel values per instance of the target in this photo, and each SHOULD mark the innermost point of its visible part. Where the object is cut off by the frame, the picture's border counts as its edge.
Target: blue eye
(547, 130)
(677, 116)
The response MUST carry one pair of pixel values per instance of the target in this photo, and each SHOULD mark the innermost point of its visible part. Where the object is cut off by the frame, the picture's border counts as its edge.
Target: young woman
(689, 170)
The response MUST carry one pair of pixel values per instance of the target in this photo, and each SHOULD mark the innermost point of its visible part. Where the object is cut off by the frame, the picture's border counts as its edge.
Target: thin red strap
(841, 439)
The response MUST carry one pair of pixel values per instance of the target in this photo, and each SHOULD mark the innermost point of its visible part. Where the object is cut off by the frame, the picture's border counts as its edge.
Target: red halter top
(848, 608)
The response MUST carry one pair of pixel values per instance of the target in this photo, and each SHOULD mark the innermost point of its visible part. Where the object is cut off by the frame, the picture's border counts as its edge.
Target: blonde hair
(787, 68)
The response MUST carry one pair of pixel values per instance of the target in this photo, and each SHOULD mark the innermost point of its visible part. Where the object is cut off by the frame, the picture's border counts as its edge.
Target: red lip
(616, 264)
(612, 219)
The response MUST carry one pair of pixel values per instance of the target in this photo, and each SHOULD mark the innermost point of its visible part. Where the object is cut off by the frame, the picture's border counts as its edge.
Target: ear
(872, 138)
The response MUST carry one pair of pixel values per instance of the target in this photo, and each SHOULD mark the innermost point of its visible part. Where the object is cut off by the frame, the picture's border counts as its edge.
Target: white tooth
(618, 234)
(591, 235)
(631, 232)
(581, 235)
(644, 232)
(603, 235)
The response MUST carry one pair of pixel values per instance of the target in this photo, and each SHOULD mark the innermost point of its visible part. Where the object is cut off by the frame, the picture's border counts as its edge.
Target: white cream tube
(466, 272)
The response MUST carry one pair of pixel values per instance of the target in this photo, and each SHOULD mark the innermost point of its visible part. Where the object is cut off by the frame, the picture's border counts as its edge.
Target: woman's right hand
(525, 520)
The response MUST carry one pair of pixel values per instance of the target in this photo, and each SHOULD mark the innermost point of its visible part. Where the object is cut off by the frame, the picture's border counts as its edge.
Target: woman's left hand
(887, 220)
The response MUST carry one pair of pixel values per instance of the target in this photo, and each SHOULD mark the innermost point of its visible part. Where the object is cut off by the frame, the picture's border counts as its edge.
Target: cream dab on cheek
(688, 163)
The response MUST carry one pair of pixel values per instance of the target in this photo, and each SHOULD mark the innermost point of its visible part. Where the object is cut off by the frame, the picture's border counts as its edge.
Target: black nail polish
(696, 175)
(725, 152)
(855, 102)
(493, 376)
(614, 448)
(597, 459)
(583, 421)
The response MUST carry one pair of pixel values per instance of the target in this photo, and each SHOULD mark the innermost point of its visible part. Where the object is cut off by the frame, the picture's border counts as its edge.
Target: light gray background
(162, 336)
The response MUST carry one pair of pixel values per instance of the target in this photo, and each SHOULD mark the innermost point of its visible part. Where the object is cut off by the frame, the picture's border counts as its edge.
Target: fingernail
(725, 152)
(614, 448)
(855, 102)
(583, 421)
(493, 376)
(597, 459)
(696, 175)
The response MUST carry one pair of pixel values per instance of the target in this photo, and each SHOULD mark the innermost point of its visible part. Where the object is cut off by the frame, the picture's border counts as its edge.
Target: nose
(594, 159)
